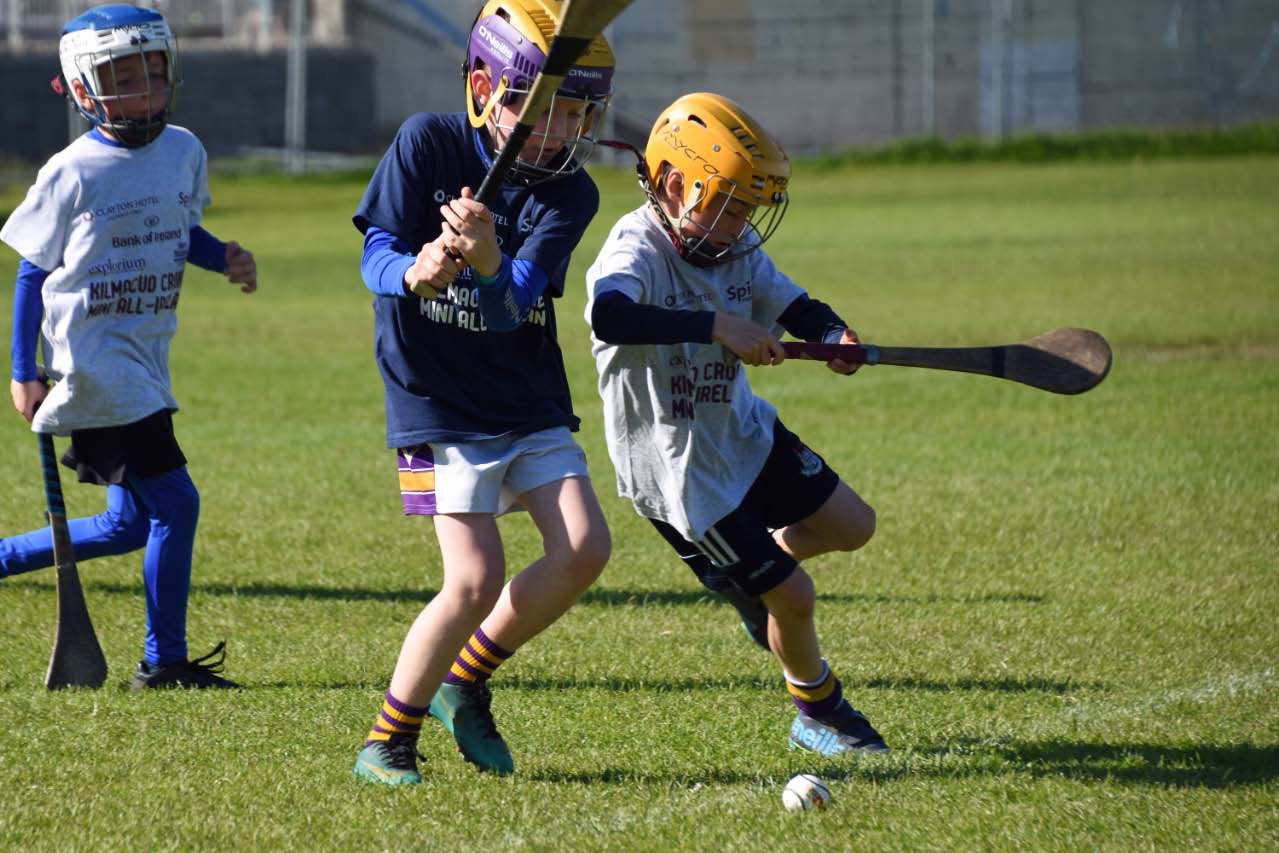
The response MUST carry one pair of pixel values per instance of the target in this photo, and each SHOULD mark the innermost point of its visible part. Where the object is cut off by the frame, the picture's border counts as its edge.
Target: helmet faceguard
(727, 159)
(90, 50)
(510, 39)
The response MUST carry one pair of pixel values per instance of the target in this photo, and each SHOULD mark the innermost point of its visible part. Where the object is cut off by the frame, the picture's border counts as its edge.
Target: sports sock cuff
(817, 700)
(478, 660)
(809, 685)
(395, 718)
(489, 646)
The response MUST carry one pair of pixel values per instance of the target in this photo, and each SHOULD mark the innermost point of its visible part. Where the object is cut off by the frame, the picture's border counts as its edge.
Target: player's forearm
(617, 319)
(385, 262)
(206, 251)
(506, 299)
(812, 320)
(28, 307)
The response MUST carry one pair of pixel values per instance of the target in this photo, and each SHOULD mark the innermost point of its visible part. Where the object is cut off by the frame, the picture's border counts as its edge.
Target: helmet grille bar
(544, 22)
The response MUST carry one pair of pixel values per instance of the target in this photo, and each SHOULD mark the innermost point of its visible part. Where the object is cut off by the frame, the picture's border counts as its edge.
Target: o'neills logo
(500, 47)
(590, 73)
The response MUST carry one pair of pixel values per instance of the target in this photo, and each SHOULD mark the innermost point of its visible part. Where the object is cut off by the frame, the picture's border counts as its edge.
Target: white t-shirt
(111, 225)
(686, 435)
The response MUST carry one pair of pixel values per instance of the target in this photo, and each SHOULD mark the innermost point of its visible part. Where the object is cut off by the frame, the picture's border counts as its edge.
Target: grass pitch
(1065, 625)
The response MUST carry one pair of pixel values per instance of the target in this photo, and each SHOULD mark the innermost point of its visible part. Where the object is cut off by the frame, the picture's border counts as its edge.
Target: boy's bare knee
(793, 601)
(861, 530)
(596, 551)
(474, 594)
(587, 558)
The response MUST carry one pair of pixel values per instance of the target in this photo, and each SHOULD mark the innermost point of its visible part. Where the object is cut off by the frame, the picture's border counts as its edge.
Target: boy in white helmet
(105, 234)
(680, 296)
(478, 409)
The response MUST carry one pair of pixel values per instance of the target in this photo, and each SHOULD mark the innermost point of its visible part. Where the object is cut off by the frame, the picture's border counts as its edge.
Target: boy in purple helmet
(477, 401)
(104, 234)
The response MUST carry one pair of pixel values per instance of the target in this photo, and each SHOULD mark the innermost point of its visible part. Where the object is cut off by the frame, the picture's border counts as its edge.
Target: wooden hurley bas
(1063, 361)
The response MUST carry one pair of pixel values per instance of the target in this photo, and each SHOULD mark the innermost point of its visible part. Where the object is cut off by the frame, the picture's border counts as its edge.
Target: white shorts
(485, 476)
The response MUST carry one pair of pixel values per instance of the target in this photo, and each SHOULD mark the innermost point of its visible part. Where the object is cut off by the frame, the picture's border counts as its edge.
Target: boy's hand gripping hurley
(77, 659)
(1063, 361)
(580, 22)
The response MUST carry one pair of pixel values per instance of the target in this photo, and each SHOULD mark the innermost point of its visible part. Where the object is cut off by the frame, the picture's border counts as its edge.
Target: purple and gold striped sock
(477, 660)
(816, 698)
(395, 718)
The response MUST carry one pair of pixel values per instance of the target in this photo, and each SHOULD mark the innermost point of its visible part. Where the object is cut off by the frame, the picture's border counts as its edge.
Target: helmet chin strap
(136, 133)
(480, 119)
(655, 203)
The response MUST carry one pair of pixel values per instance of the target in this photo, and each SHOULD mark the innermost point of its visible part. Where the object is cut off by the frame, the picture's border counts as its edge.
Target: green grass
(1121, 144)
(1065, 625)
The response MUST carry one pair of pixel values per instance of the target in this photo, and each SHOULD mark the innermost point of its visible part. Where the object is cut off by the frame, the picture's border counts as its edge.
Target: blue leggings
(158, 513)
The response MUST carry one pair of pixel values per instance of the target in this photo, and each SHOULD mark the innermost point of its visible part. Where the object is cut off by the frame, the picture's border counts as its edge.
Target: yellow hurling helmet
(511, 38)
(724, 154)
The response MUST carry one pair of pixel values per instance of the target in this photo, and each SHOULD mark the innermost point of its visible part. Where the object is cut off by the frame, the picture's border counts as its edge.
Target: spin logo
(739, 294)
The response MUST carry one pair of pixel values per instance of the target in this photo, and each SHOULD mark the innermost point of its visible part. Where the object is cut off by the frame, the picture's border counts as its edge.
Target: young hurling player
(681, 296)
(477, 402)
(104, 234)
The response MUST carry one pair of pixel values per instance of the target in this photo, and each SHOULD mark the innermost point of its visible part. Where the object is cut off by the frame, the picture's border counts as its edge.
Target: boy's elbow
(602, 325)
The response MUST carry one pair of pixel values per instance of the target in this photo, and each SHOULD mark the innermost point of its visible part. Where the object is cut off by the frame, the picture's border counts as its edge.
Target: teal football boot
(389, 762)
(466, 711)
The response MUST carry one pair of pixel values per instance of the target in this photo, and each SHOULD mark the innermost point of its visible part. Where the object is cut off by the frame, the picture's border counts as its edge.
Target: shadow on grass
(514, 681)
(1030, 684)
(1190, 765)
(1134, 764)
(593, 597)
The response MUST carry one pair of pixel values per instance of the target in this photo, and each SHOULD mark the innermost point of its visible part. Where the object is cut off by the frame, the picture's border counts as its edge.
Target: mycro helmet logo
(671, 137)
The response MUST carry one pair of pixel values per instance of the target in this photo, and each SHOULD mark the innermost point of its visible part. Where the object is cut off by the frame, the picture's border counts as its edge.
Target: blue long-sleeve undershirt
(504, 301)
(204, 250)
(386, 260)
(27, 310)
(618, 319)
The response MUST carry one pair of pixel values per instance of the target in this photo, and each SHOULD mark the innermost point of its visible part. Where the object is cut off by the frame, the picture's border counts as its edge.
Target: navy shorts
(739, 550)
(110, 455)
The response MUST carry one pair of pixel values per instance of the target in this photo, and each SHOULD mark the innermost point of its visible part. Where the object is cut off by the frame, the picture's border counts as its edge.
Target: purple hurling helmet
(510, 39)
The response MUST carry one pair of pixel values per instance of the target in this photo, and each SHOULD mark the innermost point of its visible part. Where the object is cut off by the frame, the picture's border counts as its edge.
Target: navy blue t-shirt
(447, 377)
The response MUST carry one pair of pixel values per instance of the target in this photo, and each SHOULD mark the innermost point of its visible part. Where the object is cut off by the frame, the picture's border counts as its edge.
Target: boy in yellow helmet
(679, 296)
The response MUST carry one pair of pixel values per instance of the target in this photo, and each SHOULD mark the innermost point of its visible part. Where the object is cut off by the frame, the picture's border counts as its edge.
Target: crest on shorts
(810, 464)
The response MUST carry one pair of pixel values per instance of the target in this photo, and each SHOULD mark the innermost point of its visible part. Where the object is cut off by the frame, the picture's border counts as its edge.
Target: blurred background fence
(826, 75)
